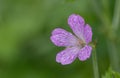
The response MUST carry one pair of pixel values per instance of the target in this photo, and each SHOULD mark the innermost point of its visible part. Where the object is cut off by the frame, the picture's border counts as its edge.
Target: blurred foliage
(25, 28)
(111, 74)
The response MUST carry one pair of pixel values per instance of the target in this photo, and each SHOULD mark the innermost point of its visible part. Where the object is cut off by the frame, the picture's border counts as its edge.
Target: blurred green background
(25, 28)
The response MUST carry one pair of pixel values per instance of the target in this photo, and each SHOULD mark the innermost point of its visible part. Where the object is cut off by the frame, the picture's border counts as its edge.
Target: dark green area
(25, 28)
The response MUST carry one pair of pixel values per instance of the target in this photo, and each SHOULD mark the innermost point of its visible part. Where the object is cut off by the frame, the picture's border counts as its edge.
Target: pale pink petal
(61, 37)
(67, 56)
(77, 23)
(87, 33)
(85, 53)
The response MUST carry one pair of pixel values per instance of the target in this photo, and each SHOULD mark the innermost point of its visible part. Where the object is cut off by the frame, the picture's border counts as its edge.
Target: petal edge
(88, 33)
(85, 53)
(61, 37)
(77, 23)
(67, 56)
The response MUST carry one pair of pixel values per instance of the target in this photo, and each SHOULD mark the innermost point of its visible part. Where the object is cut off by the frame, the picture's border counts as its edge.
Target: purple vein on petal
(61, 37)
(67, 56)
(87, 33)
(85, 53)
(77, 23)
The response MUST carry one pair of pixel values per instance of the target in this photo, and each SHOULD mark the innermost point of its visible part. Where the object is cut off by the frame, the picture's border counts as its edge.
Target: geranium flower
(77, 44)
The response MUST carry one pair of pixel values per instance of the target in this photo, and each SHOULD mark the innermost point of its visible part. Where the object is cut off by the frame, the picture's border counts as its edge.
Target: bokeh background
(25, 28)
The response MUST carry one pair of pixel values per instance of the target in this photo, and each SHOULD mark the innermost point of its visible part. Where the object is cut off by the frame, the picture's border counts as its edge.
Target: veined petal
(59, 31)
(77, 23)
(85, 53)
(67, 56)
(87, 33)
(61, 37)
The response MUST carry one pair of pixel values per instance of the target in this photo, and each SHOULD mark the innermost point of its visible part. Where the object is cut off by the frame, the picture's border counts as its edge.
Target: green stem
(116, 16)
(95, 65)
(113, 53)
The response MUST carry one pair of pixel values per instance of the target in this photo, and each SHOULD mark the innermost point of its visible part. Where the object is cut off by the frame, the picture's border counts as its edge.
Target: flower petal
(67, 56)
(85, 53)
(77, 23)
(61, 37)
(58, 31)
(88, 33)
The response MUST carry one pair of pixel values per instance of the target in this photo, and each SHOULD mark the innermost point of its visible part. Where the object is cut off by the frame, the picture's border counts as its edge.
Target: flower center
(81, 43)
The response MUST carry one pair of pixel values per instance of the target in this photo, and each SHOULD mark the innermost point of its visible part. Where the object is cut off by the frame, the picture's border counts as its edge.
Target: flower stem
(95, 65)
(116, 16)
(113, 53)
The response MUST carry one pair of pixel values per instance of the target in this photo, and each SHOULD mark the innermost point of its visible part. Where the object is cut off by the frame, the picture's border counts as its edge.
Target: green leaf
(111, 74)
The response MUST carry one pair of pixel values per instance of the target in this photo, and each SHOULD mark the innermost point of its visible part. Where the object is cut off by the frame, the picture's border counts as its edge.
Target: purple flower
(76, 45)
